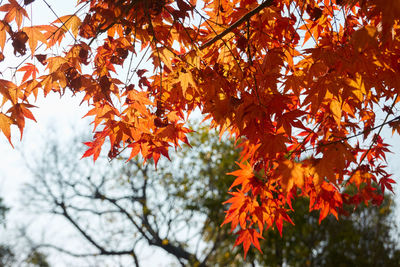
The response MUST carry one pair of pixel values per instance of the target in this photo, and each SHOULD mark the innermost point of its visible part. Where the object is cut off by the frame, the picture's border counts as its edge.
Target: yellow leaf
(4, 27)
(336, 110)
(186, 79)
(356, 178)
(336, 156)
(166, 56)
(358, 85)
(9, 91)
(54, 63)
(35, 35)
(291, 174)
(193, 58)
(5, 123)
(70, 22)
(14, 12)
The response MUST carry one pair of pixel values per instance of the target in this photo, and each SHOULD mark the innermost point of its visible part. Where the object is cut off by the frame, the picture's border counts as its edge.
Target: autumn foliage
(297, 83)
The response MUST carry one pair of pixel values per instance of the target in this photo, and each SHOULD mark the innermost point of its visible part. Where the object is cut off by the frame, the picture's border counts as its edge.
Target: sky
(65, 114)
(50, 110)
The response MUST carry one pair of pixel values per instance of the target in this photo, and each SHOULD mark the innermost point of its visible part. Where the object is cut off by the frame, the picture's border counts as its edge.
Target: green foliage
(38, 259)
(363, 238)
(206, 184)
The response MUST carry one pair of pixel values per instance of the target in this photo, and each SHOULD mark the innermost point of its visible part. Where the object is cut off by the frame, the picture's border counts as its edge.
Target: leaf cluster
(298, 84)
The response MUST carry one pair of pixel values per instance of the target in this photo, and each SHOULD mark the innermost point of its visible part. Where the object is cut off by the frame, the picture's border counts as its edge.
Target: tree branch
(83, 255)
(177, 250)
(246, 17)
(78, 227)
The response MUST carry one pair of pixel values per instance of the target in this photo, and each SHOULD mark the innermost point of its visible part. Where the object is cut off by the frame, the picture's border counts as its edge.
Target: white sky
(56, 113)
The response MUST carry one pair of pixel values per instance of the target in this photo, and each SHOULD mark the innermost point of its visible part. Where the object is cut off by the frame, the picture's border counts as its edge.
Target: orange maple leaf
(35, 35)
(243, 175)
(14, 12)
(248, 237)
(5, 123)
(30, 70)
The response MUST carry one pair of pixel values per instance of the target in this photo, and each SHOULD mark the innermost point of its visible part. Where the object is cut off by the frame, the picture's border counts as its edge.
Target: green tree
(362, 237)
(38, 259)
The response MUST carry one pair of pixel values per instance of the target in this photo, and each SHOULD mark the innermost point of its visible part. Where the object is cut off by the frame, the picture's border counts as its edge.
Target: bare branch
(82, 255)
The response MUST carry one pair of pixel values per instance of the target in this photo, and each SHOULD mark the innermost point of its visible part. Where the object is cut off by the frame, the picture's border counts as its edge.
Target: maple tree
(297, 83)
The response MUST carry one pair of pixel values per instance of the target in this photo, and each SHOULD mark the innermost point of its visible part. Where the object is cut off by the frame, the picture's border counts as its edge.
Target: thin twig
(373, 140)
(238, 23)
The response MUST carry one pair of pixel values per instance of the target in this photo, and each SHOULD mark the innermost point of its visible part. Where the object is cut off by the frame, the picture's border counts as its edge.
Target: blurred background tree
(122, 209)
(3, 211)
(367, 237)
(8, 255)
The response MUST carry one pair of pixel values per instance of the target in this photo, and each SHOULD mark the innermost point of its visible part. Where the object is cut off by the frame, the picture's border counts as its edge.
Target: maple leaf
(9, 91)
(336, 110)
(30, 70)
(248, 237)
(19, 112)
(35, 35)
(243, 175)
(186, 80)
(386, 182)
(4, 28)
(41, 58)
(14, 12)
(291, 174)
(70, 22)
(54, 63)
(95, 146)
(244, 67)
(19, 40)
(5, 123)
